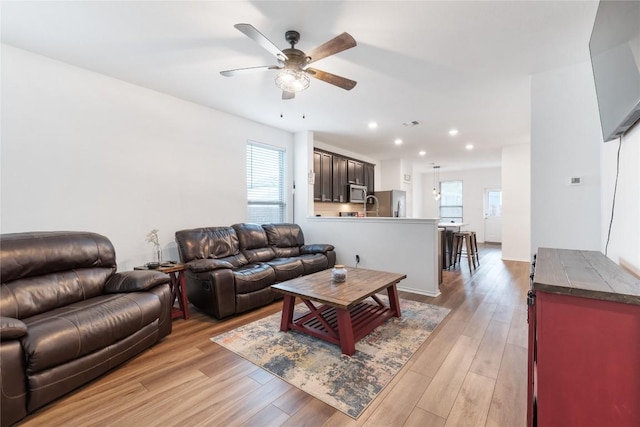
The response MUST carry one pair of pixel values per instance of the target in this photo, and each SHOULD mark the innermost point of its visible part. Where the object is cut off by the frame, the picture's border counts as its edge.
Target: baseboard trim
(418, 291)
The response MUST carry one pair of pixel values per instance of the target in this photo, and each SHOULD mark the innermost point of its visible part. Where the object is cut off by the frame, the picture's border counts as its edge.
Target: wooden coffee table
(348, 310)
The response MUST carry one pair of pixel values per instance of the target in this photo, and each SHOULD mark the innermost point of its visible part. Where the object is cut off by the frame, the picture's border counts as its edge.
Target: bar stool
(474, 248)
(461, 238)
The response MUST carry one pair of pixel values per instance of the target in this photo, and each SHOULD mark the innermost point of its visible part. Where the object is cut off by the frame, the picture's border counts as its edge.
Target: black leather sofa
(230, 269)
(67, 317)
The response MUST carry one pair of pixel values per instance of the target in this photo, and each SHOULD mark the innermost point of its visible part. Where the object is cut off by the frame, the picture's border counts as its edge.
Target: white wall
(474, 183)
(303, 161)
(83, 151)
(516, 203)
(565, 142)
(624, 244)
(400, 245)
(359, 156)
(393, 173)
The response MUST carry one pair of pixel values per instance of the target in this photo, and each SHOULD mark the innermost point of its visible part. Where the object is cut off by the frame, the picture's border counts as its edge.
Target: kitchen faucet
(377, 205)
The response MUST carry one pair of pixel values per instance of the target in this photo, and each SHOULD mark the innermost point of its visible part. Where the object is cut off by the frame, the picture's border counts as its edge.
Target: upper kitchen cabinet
(369, 175)
(333, 172)
(355, 172)
(339, 179)
(323, 167)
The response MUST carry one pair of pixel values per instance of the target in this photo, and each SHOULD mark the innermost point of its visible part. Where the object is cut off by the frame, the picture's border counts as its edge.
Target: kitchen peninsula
(400, 245)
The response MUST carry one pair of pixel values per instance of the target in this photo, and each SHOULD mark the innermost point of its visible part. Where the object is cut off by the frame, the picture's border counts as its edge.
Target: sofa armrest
(11, 328)
(316, 249)
(134, 281)
(204, 265)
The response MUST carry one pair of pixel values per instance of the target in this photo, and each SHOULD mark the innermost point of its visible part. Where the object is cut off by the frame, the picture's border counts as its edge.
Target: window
(451, 201)
(265, 184)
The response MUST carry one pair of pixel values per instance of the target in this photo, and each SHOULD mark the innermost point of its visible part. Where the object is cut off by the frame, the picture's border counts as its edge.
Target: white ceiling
(446, 64)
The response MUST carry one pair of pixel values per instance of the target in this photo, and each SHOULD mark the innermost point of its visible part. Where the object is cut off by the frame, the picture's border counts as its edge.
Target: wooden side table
(178, 287)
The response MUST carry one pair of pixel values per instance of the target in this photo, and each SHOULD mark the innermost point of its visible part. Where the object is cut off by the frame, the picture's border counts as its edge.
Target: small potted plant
(152, 238)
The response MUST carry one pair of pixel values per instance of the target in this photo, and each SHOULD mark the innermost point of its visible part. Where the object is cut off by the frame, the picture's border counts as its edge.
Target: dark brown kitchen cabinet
(317, 169)
(326, 179)
(369, 177)
(355, 172)
(333, 172)
(323, 181)
(339, 179)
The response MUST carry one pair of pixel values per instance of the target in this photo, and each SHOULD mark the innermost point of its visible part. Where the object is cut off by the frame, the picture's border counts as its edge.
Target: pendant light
(436, 182)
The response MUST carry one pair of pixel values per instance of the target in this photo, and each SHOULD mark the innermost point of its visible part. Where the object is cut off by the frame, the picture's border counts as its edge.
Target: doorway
(493, 215)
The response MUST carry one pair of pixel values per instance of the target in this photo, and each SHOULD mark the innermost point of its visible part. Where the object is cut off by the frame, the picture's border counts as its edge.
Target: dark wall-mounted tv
(615, 58)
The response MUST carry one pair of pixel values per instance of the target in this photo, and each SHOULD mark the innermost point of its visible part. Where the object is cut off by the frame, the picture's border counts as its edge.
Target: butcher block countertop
(587, 274)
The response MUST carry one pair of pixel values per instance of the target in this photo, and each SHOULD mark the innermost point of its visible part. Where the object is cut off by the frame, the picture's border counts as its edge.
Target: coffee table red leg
(345, 330)
(287, 312)
(394, 302)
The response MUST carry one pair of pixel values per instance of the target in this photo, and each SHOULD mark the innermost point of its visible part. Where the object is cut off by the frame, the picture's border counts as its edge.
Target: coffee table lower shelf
(343, 327)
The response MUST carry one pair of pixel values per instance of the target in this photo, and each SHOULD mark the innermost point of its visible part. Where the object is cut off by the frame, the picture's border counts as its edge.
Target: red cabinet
(584, 342)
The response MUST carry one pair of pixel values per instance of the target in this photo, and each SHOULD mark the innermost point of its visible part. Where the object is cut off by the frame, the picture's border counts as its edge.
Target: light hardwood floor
(470, 372)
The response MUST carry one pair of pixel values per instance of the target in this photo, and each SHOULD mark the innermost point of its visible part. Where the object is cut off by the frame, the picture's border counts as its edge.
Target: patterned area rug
(317, 367)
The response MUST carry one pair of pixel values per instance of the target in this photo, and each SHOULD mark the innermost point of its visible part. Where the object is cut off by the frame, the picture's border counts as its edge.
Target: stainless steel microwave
(356, 193)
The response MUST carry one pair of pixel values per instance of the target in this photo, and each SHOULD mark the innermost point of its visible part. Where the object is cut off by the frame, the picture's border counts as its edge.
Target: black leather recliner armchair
(67, 317)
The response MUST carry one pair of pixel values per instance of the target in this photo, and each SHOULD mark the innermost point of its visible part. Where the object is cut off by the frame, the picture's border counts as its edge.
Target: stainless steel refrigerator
(392, 203)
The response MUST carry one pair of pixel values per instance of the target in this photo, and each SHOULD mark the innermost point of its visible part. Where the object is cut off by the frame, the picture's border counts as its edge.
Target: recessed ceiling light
(422, 153)
(373, 125)
(398, 141)
(469, 146)
(453, 132)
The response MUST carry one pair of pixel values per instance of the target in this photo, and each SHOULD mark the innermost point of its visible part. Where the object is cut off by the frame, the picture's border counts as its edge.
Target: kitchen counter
(399, 245)
(381, 218)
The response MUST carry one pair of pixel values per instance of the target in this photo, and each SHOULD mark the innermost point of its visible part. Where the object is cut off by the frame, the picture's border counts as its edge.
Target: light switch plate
(574, 180)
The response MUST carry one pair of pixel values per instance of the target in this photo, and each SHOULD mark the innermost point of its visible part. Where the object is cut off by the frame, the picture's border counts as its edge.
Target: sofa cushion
(293, 251)
(237, 260)
(134, 281)
(253, 277)
(251, 236)
(41, 253)
(286, 268)
(284, 235)
(69, 332)
(313, 263)
(204, 265)
(253, 242)
(208, 242)
(27, 297)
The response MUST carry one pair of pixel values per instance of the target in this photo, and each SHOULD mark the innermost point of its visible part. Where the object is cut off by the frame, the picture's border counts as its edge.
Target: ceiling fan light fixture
(292, 80)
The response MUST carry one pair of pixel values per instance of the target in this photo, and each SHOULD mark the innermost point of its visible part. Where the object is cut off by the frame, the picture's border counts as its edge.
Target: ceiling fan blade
(288, 95)
(230, 73)
(255, 35)
(342, 82)
(337, 44)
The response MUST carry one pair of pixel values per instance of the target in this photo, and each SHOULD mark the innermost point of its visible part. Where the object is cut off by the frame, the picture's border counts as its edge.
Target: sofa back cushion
(45, 270)
(210, 243)
(285, 239)
(253, 242)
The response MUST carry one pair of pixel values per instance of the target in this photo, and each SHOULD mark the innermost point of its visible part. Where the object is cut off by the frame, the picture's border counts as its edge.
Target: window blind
(265, 184)
(451, 201)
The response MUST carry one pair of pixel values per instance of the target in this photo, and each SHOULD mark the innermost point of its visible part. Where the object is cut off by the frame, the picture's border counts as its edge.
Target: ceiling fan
(293, 64)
